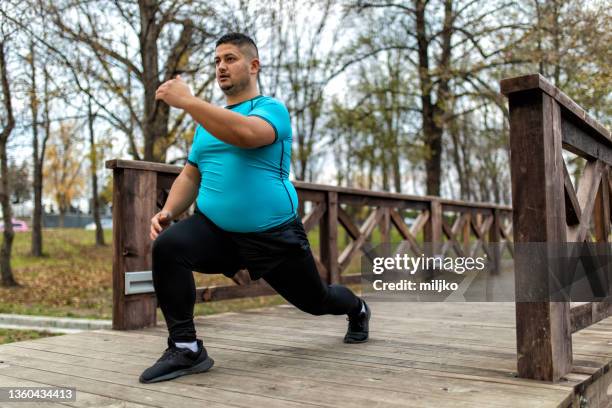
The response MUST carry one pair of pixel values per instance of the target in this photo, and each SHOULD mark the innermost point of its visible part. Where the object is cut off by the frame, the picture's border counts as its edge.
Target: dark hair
(238, 39)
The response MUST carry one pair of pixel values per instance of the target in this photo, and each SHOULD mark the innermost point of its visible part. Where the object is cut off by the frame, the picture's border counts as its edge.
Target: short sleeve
(192, 158)
(276, 114)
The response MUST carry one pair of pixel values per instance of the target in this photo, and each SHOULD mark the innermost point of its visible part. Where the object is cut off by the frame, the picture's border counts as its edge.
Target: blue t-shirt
(247, 190)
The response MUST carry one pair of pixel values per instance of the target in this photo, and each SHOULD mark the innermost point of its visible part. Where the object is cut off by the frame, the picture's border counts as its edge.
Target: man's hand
(174, 92)
(159, 222)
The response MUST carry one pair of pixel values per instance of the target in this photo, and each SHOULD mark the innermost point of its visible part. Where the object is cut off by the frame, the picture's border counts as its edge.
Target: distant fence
(70, 220)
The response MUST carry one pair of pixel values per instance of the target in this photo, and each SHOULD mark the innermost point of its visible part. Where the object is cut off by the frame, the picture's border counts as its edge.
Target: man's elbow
(250, 139)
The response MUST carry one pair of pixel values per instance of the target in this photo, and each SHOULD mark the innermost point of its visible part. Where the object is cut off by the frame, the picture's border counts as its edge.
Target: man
(245, 214)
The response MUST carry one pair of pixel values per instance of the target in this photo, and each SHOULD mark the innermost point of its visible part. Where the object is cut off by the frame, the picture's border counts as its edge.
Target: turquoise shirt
(247, 190)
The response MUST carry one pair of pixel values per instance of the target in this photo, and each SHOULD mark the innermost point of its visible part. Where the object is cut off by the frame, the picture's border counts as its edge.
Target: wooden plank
(480, 231)
(451, 233)
(83, 399)
(346, 195)
(583, 144)
(308, 195)
(543, 329)
(311, 374)
(581, 316)
(308, 375)
(384, 226)
(384, 201)
(405, 232)
(420, 222)
(536, 82)
(433, 228)
(495, 241)
(347, 223)
(98, 382)
(143, 165)
(239, 386)
(572, 206)
(314, 216)
(602, 210)
(365, 231)
(210, 293)
(587, 192)
(328, 239)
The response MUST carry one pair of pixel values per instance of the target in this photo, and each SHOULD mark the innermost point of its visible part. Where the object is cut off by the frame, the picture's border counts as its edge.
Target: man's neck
(241, 97)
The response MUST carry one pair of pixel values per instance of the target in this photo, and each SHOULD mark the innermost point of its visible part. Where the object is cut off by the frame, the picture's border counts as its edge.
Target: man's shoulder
(265, 100)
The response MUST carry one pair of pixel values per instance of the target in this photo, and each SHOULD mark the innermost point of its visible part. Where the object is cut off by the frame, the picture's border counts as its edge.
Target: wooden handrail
(140, 190)
(546, 208)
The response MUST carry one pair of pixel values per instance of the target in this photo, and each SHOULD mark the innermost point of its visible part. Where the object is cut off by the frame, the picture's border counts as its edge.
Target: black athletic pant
(281, 256)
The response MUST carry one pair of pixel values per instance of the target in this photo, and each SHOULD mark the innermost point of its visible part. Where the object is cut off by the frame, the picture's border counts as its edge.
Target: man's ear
(255, 67)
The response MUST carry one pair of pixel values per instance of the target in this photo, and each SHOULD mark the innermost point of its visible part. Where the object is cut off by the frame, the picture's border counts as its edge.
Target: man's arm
(231, 127)
(183, 192)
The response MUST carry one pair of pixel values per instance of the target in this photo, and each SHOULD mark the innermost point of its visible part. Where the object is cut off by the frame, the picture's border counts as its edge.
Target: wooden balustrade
(547, 208)
(141, 188)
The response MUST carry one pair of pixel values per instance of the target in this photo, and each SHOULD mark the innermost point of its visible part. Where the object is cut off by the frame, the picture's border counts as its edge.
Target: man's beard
(235, 88)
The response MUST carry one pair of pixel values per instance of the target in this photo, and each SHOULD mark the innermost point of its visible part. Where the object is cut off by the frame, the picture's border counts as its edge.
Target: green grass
(74, 279)
(10, 336)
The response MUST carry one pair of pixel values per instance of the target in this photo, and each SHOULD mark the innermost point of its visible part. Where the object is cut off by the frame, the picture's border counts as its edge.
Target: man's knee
(166, 246)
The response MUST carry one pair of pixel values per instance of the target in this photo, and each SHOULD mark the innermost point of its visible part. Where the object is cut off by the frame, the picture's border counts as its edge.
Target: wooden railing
(547, 208)
(141, 188)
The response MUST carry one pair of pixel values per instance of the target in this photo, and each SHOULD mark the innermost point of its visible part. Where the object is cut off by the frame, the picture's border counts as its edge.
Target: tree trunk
(8, 233)
(156, 113)
(5, 200)
(36, 243)
(94, 177)
(433, 114)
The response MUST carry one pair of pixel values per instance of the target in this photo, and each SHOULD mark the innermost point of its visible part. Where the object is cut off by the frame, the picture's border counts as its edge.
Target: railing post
(433, 228)
(385, 226)
(328, 238)
(134, 203)
(495, 240)
(543, 330)
(433, 233)
(466, 233)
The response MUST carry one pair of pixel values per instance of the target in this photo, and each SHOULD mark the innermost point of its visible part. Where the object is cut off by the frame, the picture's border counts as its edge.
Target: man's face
(234, 68)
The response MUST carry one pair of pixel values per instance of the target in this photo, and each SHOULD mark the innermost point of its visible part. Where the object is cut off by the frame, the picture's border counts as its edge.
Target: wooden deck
(419, 355)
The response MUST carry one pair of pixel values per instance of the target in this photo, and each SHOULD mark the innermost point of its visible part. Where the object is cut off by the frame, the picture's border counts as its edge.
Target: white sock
(193, 346)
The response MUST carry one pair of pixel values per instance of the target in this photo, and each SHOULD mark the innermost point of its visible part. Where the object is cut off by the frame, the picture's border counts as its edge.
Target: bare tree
(93, 161)
(8, 124)
(39, 146)
(145, 66)
(303, 65)
(450, 50)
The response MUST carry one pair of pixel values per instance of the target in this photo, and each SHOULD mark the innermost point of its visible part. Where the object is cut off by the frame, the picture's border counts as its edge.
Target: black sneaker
(177, 361)
(358, 326)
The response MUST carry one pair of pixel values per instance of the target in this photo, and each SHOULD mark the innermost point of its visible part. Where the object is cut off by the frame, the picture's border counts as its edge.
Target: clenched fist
(160, 222)
(175, 92)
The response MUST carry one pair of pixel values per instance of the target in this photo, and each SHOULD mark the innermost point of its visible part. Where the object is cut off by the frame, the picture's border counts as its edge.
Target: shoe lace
(170, 352)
